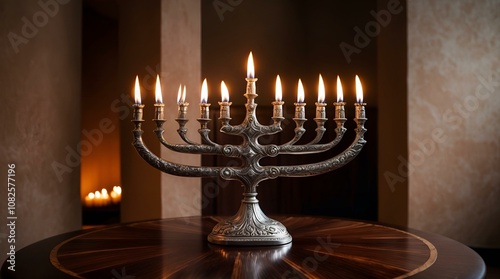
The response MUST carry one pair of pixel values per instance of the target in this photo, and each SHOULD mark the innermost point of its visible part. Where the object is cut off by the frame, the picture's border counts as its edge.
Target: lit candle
(89, 200)
(339, 105)
(250, 66)
(97, 199)
(300, 110)
(159, 106)
(204, 105)
(105, 197)
(250, 76)
(321, 105)
(182, 105)
(117, 193)
(138, 106)
(278, 103)
(225, 104)
(360, 106)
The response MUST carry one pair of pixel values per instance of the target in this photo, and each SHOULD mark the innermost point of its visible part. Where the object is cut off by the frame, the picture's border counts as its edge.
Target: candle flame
(250, 67)
(224, 92)
(340, 92)
(159, 97)
(204, 92)
(179, 94)
(183, 98)
(117, 189)
(91, 195)
(137, 91)
(97, 194)
(300, 92)
(321, 90)
(359, 90)
(278, 92)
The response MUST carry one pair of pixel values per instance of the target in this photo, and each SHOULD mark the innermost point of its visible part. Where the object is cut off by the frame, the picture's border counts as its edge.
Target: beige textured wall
(40, 96)
(181, 63)
(139, 54)
(453, 109)
(159, 37)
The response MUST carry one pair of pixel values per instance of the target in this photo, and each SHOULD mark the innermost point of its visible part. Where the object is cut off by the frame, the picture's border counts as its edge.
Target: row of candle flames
(225, 104)
(103, 198)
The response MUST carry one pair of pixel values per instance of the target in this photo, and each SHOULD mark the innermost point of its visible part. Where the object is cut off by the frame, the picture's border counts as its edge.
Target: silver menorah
(250, 226)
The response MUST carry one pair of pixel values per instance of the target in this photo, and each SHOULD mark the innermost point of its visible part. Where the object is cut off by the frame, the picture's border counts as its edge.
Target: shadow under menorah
(250, 226)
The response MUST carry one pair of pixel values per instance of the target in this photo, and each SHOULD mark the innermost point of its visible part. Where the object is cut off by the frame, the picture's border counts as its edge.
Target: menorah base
(250, 227)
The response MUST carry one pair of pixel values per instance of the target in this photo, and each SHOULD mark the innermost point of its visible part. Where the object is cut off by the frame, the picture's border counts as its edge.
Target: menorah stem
(250, 226)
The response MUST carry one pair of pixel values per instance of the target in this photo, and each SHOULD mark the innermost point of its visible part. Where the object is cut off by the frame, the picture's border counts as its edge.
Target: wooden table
(322, 247)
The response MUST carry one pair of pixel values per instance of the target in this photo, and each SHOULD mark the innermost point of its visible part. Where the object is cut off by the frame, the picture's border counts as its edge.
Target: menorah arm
(182, 131)
(312, 148)
(169, 167)
(189, 148)
(321, 167)
(254, 126)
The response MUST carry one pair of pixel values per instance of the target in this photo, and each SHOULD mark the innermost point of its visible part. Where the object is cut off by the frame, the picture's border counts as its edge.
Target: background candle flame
(321, 90)
(158, 95)
(278, 93)
(224, 92)
(300, 92)
(359, 90)
(340, 92)
(204, 92)
(250, 66)
(137, 94)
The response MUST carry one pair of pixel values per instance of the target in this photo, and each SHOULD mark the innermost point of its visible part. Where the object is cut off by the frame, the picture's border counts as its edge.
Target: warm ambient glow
(137, 91)
(278, 93)
(158, 95)
(359, 90)
(224, 92)
(321, 90)
(340, 92)
(300, 92)
(204, 92)
(102, 198)
(250, 67)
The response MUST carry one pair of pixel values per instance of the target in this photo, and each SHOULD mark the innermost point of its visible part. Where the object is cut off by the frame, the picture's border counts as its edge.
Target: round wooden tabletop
(322, 247)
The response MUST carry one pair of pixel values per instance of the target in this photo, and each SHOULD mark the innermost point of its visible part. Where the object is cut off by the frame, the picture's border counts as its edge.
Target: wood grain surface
(322, 248)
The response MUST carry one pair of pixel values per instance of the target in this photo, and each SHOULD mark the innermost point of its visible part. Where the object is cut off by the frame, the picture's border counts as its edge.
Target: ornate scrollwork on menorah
(250, 226)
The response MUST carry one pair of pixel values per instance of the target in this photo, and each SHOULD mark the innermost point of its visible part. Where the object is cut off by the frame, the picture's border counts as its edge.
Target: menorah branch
(169, 167)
